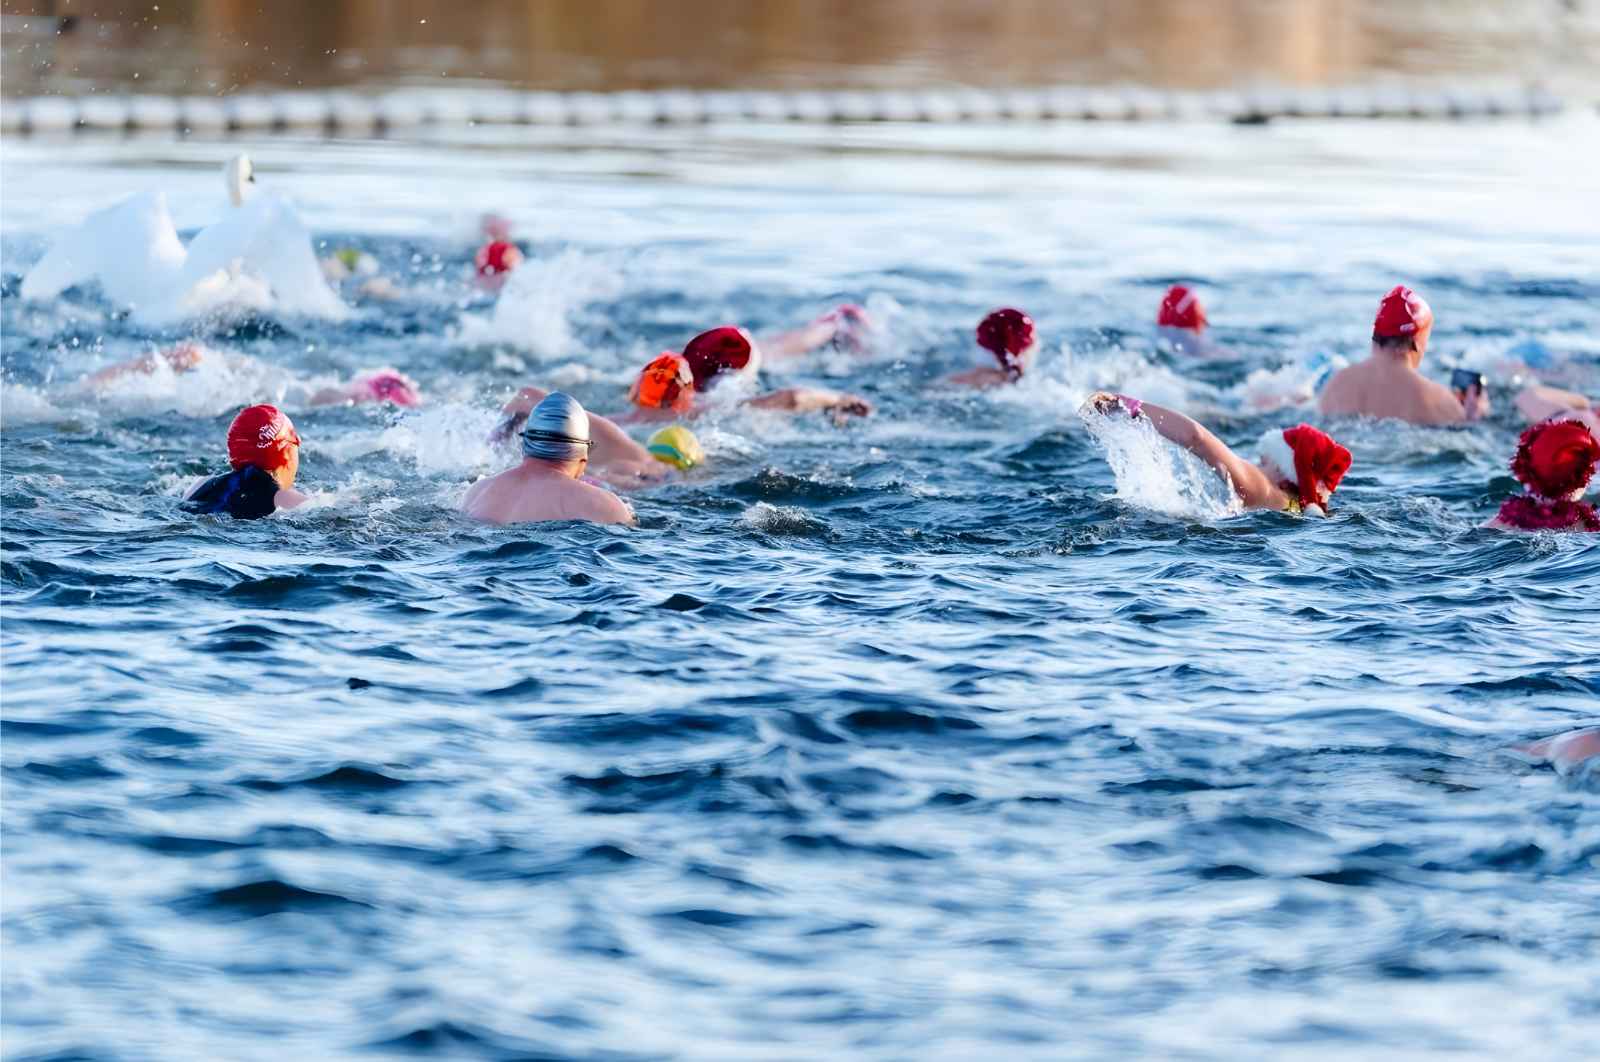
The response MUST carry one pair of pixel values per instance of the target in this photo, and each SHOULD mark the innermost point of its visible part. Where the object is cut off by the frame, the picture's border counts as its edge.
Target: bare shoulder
(603, 507)
(1335, 392)
(1442, 406)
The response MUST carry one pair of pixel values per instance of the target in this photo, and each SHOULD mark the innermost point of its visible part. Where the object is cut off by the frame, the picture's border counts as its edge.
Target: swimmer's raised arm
(844, 322)
(515, 413)
(179, 358)
(1247, 479)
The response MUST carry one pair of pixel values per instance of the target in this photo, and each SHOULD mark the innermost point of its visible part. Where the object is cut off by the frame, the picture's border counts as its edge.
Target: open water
(924, 737)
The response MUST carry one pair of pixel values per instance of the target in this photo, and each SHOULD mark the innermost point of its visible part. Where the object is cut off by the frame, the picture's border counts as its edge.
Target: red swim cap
(666, 383)
(1401, 313)
(710, 354)
(498, 256)
(1180, 308)
(262, 436)
(1556, 458)
(1007, 334)
(1317, 459)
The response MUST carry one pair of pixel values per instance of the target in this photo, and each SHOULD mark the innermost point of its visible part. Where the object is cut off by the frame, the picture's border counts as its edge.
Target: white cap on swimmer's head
(557, 430)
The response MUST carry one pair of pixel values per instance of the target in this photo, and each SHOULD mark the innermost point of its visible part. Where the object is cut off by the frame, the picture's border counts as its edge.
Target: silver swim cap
(558, 430)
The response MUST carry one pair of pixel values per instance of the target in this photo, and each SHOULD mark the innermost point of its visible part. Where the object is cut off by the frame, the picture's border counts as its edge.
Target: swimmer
(1009, 335)
(1181, 322)
(497, 258)
(548, 484)
(1568, 753)
(1298, 471)
(1541, 402)
(1555, 460)
(613, 456)
(179, 358)
(845, 327)
(264, 450)
(667, 387)
(371, 385)
(1387, 383)
(354, 264)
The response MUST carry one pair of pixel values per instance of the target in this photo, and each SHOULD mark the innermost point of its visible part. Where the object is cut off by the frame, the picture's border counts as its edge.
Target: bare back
(1385, 386)
(534, 491)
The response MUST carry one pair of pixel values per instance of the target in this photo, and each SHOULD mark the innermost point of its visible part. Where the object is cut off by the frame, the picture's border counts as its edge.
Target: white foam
(535, 308)
(446, 439)
(780, 519)
(21, 405)
(219, 383)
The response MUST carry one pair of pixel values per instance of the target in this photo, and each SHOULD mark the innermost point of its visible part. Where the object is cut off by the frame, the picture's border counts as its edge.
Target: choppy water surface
(924, 737)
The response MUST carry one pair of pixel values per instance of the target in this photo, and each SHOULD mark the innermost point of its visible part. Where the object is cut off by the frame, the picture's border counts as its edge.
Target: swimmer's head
(265, 437)
(1404, 322)
(497, 258)
(1008, 334)
(1181, 308)
(386, 385)
(676, 446)
(721, 350)
(1307, 460)
(558, 432)
(666, 384)
(1556, 459)
(495, 226)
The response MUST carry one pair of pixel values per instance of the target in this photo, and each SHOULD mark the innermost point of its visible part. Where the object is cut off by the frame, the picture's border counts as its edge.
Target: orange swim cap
(666, 383)
(261, 436)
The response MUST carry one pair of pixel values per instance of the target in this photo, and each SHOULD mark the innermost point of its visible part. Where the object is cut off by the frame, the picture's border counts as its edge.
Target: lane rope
(352, 114)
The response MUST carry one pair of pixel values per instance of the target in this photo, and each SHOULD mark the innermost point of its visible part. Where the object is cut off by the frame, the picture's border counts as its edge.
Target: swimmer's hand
(508, 426)
(1106, 404)
(851, 327)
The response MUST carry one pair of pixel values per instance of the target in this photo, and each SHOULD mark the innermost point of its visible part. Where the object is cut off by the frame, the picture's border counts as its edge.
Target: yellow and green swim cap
(676, 446)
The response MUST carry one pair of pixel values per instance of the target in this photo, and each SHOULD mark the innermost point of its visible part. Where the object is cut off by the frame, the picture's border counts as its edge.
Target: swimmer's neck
(1400, 359)
(537, 466)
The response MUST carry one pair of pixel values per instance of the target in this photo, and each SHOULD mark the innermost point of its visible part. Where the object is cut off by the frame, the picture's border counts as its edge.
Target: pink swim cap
(388, 385)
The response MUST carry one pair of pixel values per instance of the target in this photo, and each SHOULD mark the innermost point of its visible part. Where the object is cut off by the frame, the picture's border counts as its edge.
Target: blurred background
(220, 46)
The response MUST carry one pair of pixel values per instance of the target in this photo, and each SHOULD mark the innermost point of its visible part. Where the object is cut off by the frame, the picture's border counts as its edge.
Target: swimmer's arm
(180, 358)
(1193, 436)
(613, 446)
(329, 396)
(514, 414)
(980, 379)
(288, 498)
(633, 475)
(816, 334)
(1539, 402)
(811, 400)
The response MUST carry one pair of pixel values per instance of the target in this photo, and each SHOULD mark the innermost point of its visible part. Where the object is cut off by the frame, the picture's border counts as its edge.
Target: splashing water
(535, 309)
(1154, 474)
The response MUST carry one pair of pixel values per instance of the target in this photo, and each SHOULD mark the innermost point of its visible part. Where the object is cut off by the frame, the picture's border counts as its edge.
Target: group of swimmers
(573, 459)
